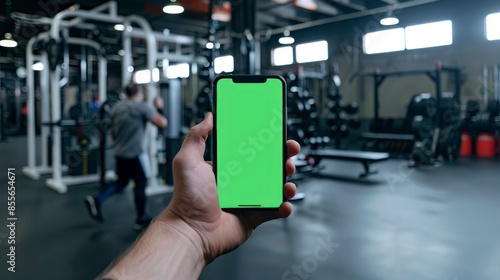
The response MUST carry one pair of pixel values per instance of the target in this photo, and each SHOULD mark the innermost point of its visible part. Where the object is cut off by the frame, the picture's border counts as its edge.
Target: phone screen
(249, 144)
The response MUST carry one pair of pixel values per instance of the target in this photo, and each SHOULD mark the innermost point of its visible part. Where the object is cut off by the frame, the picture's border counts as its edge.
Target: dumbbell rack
(339, 124)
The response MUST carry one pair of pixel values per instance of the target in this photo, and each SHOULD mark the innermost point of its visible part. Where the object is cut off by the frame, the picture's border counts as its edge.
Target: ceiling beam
(180, 25)
(269, 5)
(323, 8)
(348, 4)
(271, 20)
(288, 13)
(390, 2)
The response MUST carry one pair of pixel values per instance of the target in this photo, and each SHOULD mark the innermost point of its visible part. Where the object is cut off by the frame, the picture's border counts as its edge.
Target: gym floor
(436, 223)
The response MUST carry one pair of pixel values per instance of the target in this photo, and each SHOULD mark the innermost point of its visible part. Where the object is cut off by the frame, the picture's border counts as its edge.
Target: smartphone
(249, 140)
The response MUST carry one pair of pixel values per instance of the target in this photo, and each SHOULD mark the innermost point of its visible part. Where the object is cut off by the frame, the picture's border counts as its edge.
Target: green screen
(249, 139)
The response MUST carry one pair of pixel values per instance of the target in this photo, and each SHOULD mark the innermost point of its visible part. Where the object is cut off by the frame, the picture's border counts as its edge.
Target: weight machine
(336, 120)
(445, 138)
(53, 122)
(318, 152)
(106, 13)
(58, 24)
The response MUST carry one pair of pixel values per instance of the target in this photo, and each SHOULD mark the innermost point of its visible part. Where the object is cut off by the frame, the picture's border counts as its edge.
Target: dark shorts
(130, 168)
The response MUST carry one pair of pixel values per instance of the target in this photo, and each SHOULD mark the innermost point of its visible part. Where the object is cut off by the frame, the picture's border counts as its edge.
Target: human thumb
(195, 140)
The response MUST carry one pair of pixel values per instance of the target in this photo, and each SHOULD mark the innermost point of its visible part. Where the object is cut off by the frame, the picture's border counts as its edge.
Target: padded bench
(366, 158)
(388, 136)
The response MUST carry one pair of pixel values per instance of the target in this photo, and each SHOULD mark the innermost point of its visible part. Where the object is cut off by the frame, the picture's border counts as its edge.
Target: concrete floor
(435, 223)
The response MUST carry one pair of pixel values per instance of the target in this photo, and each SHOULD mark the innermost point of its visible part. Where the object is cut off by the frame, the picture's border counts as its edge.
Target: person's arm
(193, 230)
(159, 120)
(169, 249)
(154, 116)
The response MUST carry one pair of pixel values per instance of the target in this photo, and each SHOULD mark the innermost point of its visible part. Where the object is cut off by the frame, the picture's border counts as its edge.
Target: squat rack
(106, 13)
(434, 74)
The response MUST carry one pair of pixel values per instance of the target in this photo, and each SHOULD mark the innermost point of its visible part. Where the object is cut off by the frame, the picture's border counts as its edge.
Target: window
(143, 76)
(282, 56)
(391, 40)
(178, 71)
(309, 52)
(224, 64)
(493, 27)
(429, 35)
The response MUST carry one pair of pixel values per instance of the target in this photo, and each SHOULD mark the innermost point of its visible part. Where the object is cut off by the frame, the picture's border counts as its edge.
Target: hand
(194, 209)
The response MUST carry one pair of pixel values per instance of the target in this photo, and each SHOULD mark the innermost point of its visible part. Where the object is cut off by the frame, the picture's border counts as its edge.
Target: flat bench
(366, 158)
(388, 136)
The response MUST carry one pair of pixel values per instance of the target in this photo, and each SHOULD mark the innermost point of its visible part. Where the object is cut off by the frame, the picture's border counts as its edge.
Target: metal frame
(434, 75)
(61, 23)
(31, 170)
(58, 182)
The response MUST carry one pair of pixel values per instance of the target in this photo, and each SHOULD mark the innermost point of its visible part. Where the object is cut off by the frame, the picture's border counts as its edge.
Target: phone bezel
(242, 78)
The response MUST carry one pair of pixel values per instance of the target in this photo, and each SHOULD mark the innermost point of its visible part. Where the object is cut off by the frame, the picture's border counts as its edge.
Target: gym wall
(470, 51)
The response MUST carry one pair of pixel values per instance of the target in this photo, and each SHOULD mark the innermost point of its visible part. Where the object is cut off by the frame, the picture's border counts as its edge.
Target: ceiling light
(8, 42)
(119, 27)
(286, 39)
(209, 45)
(37, 66)
(389, 19)
(173, 8)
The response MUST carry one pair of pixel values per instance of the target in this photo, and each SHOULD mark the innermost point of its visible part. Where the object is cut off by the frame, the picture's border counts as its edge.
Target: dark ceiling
(272, 14)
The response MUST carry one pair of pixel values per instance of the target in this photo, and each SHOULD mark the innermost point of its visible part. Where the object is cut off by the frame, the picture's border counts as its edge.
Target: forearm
(163, 252)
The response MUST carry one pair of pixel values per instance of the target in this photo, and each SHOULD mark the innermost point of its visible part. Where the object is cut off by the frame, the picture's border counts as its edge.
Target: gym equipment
(485, 145)
(366, 158)
(59, 30)
(422, 152)
(422, 104)
(3, 137)
(389, 143)
(351, 108)
(339, 124)
(485, 121)
(302, 121)
(13, 100)
(52, 122)
(418, 121)
(448, 145)
(466, 145)
(302, 111)
(476, 122)
(436, 120)
(422, 127)
(58, 182)
(450, 110)
(340, 128)
(55, 52)
(171, 91)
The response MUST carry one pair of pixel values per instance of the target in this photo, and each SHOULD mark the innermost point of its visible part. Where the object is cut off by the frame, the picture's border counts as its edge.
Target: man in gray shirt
(129, 118)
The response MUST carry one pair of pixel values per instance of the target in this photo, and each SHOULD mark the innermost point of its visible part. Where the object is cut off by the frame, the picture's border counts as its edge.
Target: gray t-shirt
(129, 120)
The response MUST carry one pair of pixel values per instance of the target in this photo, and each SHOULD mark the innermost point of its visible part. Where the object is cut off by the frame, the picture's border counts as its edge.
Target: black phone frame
(245, 78)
